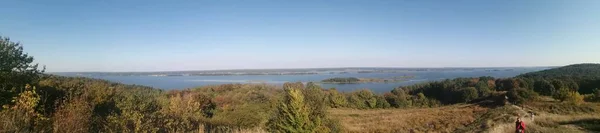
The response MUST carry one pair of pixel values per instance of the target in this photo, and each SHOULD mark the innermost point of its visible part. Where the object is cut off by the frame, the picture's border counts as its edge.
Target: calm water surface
(182, 82)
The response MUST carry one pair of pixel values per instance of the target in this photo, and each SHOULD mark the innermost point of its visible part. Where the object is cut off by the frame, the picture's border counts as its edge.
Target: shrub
(574, 97)
(362, 99)
(293, 115)
(468, 94)
(483, 89)
(382, 103)
(561, 94)
(521, 95)
(73, 117)
(22, 115)
(597, 94)
(336, 99)
(397, 98)
(544, 87)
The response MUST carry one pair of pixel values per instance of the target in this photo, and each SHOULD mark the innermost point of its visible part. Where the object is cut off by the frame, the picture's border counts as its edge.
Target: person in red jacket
(520, 126)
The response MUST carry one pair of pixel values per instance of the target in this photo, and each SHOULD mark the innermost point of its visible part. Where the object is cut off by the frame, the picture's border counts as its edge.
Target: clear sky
(166, 35)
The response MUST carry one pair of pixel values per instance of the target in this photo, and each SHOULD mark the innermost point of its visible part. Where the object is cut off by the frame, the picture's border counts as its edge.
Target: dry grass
(551, 116)
(555, 117)
(441, 119)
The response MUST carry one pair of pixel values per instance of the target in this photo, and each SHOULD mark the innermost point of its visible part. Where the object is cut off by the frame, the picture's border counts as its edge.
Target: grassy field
(441, 119)
(551, 116)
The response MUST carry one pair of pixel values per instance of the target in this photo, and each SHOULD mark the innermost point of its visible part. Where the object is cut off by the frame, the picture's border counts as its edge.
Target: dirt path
(510, 127)
(550, 120)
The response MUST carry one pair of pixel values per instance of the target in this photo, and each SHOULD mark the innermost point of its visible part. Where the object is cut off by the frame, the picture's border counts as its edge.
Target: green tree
(382, 103)
(336, 99)
(16, 69)
(363, 99)
(469, 93)
(562, 94)
(397, 98)
(483, 89)
(315, 97)
(521, 95)
(544, 87)
(420, 100)
(574, 97)
(293, 115)
(558, 84)
(507, 84)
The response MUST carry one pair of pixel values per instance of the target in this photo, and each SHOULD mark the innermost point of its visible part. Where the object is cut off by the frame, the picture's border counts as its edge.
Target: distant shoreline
(311, 71)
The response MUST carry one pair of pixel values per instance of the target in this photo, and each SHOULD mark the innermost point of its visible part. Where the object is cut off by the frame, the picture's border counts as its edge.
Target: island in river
(354, 80)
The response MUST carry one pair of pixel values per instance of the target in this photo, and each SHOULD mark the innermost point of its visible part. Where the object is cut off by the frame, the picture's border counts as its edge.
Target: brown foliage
(73, 117)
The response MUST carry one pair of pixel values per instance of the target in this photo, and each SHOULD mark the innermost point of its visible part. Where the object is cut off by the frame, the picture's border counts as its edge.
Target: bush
(483, 89)
(22, 115)
(336, 99)
(469, 94)
(382, 103)
(521, 95)
(293, 115)
(561, 94)
(544, 87)
(362, 99)
(73, 117)
(574, 97)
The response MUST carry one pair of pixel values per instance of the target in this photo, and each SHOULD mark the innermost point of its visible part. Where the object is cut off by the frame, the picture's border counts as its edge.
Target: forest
(36, 102)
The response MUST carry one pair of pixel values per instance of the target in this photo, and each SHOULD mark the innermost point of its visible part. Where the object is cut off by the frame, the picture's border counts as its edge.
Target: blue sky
(160, 35)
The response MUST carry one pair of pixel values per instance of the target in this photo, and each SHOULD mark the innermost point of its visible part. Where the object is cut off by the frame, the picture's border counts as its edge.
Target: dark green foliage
(16, 69)
(573, 71)
(469, 93)
(507, 84)
(342, 80)
(558, 84)
(521, 95)
(581, 77)
(597, 93)
(483, 89)
(382, 103)
(450, 91)
(562, 94)
(397, 101)
(544, 87)
(594, 97)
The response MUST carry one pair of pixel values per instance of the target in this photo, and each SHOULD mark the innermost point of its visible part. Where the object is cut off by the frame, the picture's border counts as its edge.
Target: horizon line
(291, 69)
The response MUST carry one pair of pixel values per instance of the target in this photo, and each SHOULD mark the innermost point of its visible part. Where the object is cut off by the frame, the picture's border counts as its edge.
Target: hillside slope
(587, 76)
(585, 71)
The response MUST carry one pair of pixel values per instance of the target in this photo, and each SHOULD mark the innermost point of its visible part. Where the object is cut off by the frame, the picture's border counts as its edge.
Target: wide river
(182, 82)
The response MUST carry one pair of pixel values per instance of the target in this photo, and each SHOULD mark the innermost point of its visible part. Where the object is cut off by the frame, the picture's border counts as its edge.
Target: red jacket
(520, 125)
